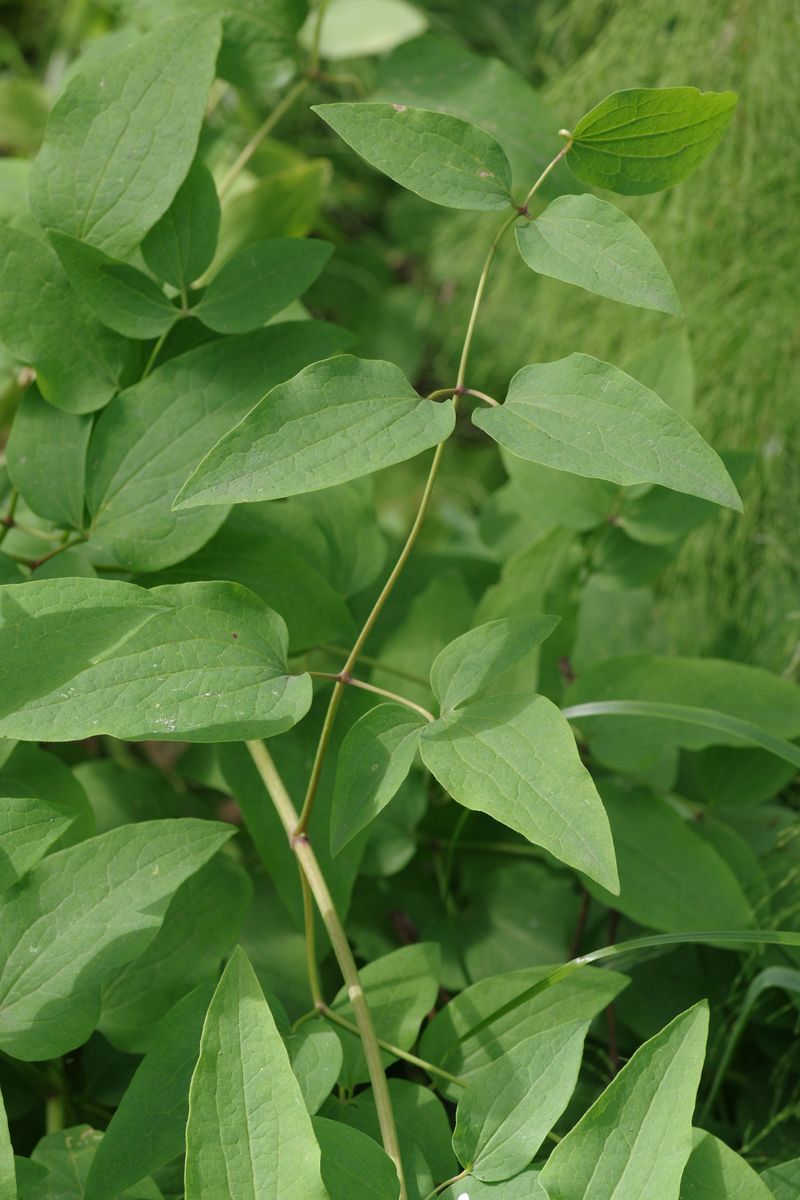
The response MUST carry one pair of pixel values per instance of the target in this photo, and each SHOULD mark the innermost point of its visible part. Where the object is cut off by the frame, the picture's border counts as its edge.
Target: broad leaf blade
(46, 454)
(636, 1138)
(123, 134)
(249, 1135)
(148, 1128)
(210, 665)
(316, 1056)
(476, 658)
(181, 244)
(337, 420)
(510, 1106)
(260, 281)
(151, 438)
(514, 757)
(715, 1172)
(784, 1179)
(8, 1174)
(441, 158)
(353, 28)
(28, 828)
(583, 415)
(60, 940)
(375, 758)
(644, 139)
(592, 244)
(118, 294)
(353, 1164)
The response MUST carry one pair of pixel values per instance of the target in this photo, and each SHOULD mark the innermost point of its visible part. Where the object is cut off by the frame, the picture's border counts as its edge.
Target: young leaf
(337, 420)
(476, 658)
(583, 415)
(668, 874)
(79, 363)
(249, 1135)
(375, 758)
(401, 989)
(715, 1172)
(154, 434)
(28, 828)
(353, 28)
(200, 928)
(353, 1164)
(46, 456)
(60, 939)
(209, 666)
(510, 1106)
(8, 1174)
(441, 158)
(147, 1130)
(181, 244)
(636, 1138)
(644, 139)
(514, 757)
(123, 134)
(118, 294)
(260, 281)
(588, 242)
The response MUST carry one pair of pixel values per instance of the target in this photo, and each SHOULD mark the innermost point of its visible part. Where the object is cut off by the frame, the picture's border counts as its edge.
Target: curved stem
(8, 520)
(70, 545)
(329, 648)
(413, 1059)
(447, 1183)
(341, 947)
(482, 396)
(263, 131)
(379, 691)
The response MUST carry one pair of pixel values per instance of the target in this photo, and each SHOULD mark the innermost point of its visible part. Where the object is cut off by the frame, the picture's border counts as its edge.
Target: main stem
(405, 553)
(341, 948)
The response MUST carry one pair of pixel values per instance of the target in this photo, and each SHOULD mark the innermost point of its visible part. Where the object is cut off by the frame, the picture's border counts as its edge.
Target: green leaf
(670, 878)
(245, 550)
(441, 74)
(375, 758)
(524, 1186)
(122, 136)
(46, 456)
(199, 929)
(644, 139)
(583, 415)
(261, 281)
(32, 772)
(578, 997)
(60, 940)
(28, 828)
(353, 1164)
(783, 1180)
(636, 1138)
(441, 158)
(209, 666)
(118, 294)
(715, 1172)
(147, 1129)
(150, 439)
(181, 244)
(510, 1105)
(588, 242)
(478, 657)
(67, 1157)
(8, 1174)
(514, 757)
(316, 1056)
(353, 28)
(401, 989)
(79, 363)
(249, 1135)
(337, 420)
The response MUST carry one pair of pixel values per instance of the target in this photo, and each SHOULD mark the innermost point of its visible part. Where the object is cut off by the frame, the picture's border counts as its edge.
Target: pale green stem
(378, 691)
(405, 1055)
(341, 948)
(155, 353)
(447, 1183)
(8, 519)
(263, 131)
(328, 648)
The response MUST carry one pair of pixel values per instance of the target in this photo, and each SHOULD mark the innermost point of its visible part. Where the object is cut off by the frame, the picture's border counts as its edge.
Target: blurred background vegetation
(729, 237)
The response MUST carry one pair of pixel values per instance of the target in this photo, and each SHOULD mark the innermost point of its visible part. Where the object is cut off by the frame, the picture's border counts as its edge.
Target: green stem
(264, 130)
(313, 61)
(341, 948)
(481, 396)
(311, 957)
(447, 1183)
(328, 648)
(379, 691)
(155, 353)
(405, 1055)
(70, 545)
(8, 520)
